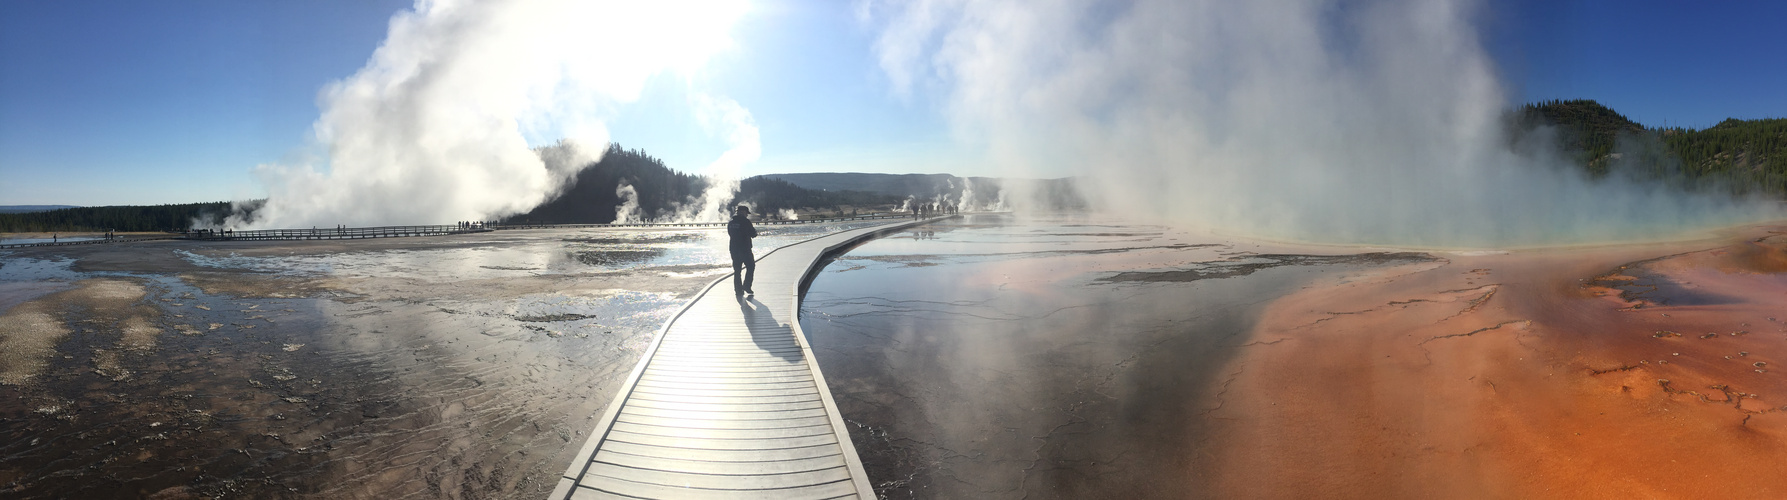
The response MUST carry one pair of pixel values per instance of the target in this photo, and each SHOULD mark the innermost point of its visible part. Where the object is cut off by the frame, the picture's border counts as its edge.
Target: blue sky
(1689, 64)
(172, 102)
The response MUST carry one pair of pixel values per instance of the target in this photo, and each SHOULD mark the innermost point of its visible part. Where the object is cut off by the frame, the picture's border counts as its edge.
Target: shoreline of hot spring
(1580, 371)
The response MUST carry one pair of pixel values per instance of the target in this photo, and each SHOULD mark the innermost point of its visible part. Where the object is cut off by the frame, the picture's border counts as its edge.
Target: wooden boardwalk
(726, 403)
(336, 233)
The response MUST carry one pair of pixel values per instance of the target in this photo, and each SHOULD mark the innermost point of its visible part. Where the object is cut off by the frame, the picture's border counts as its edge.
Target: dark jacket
(741, 231)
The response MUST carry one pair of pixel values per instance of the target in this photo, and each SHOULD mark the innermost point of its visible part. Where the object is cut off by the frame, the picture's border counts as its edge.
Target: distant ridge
(25, 209)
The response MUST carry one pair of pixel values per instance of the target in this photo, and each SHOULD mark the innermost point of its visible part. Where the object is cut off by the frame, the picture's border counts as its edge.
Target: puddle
(23, 279)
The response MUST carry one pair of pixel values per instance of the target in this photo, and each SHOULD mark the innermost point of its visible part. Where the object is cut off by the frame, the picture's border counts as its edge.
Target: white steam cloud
(1371, 121)
(733, 124)
(628, 212)
(437, 126)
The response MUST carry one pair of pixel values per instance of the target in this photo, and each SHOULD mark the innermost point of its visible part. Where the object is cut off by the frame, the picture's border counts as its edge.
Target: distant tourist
(741, 231)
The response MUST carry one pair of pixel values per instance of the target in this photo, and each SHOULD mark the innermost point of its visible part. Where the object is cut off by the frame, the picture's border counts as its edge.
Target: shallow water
(23, 279)
(1000, 357)
(462, 366)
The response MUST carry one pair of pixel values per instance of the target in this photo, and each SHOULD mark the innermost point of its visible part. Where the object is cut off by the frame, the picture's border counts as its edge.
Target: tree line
(130, 218)
(1740, 156)
(1750, 153)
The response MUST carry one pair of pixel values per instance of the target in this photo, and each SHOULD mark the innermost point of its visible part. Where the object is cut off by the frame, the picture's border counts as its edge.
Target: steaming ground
(1376, 122)
(451, 117)
(464, 366)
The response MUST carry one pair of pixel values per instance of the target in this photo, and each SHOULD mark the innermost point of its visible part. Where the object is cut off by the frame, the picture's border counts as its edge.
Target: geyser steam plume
(1369, 121)
(436, 127)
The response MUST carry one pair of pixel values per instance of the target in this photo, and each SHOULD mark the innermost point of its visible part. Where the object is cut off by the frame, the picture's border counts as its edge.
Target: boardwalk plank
(719, 407)
(712, 455)
(784, 357)
(727, 384)
(722, 392)
(720, 482)
(722, 415)
(754, 379)
(672, 362)
(675, 398)
(785, 432)
(696, 422)
(722, 444)
(840, 489)
(762, 467)
(753, 347)
(706, 371)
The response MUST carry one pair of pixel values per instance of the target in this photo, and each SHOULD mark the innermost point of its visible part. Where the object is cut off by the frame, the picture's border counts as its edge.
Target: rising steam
(628, 211)
(733, 123)
(1370, 121)
(437, 126)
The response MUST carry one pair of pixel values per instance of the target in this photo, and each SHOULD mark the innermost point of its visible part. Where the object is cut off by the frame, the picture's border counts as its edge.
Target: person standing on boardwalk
(741, 231)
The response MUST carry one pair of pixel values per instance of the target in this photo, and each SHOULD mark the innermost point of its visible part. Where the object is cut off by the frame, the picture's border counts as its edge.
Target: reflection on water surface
(462, 366)
(993, 356)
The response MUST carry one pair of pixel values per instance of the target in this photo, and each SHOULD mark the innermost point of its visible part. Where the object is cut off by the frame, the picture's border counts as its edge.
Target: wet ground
(983, 357)
(1619, 371)
(463, 366)
(1058, 357)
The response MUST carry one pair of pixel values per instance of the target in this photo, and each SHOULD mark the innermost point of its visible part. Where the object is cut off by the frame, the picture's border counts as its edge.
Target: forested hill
(592, 196)
(595, 193)
(128, 218)
(1740, 155)
(1585, 128)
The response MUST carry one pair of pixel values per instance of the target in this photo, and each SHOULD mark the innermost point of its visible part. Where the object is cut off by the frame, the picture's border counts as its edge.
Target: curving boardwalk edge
(726, 402)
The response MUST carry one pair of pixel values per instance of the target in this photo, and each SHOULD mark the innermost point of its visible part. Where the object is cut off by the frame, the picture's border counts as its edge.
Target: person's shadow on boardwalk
(769, 334)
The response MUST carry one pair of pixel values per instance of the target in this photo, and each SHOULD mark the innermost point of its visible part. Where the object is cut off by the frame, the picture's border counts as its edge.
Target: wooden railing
(95, 241)
(701, 224)
(335, 233)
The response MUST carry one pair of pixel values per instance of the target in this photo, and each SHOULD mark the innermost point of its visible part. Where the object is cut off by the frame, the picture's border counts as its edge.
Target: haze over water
(1058, 356)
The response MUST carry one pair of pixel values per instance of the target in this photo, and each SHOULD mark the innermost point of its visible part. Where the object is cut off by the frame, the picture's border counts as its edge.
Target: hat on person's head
(744, 209)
